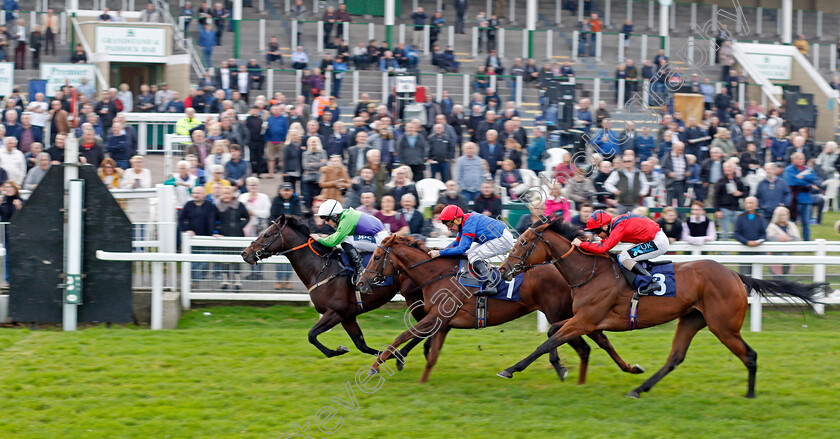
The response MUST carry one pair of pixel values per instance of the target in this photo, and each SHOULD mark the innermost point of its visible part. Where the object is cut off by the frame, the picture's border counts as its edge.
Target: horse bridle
(380, 277)
(521, 266)
(263, 252)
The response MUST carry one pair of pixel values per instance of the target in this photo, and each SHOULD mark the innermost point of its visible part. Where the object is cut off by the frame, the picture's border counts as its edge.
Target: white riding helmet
(330, 209)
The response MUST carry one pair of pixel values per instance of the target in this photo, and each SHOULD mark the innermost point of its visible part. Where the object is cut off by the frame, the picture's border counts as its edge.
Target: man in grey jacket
(471, 171)
(412, 150)
(675, 167)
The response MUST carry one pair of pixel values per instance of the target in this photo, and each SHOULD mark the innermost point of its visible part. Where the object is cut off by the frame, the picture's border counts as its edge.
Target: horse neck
(577, 267)
(304, 261)
(404, 257)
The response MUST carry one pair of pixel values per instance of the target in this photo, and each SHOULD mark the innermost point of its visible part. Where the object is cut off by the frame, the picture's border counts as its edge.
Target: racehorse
(708, 294)
(329, 287)
(446, 309)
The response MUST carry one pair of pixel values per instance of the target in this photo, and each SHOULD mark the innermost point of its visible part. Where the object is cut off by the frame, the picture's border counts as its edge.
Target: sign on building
(7, 78)
(57, 74)
(772, 66)
(406, 84)
(131, 41)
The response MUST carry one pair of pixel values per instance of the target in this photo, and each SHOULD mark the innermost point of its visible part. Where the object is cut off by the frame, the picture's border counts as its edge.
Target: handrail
(183, 42)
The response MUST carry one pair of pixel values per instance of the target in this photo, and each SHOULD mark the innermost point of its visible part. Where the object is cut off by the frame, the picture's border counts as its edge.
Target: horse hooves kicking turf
(632, 394)
(637, 369)
(342, 350)
(373, 371)
(505, 374)
(561, 373)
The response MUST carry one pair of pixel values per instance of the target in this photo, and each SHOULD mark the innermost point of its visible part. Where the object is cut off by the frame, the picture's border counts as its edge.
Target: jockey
(631, 228)
(491, 235)
(354, 230)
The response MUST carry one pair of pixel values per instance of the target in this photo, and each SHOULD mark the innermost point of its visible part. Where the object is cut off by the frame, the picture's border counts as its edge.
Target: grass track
(250, 373)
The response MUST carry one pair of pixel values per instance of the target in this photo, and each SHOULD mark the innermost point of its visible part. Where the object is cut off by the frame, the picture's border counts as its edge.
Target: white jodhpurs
(489, 249)
(364, 243)
(646, 250)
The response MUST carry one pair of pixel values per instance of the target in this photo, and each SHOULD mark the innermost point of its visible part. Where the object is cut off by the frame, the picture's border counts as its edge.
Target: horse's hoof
(637, 369)
(749, 396)
(342, 350)
(505, 374)
(373, 371)
(632, 394)
(563, 374)
(400, 364)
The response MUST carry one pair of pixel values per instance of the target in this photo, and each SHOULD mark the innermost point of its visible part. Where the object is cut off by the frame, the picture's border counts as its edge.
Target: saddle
(468, 279)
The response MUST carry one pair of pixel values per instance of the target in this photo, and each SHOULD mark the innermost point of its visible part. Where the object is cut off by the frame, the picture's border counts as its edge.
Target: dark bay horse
(450, 305)
(330, 289)
(707, 294)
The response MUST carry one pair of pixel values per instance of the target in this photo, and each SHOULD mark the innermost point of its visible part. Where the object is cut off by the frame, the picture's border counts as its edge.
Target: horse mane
(564, 229)
(407, 241)
(298, 224)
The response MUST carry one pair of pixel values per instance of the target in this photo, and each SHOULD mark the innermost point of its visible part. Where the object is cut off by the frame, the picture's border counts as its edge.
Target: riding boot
(651, 287)
(355, 259)
(486, 276)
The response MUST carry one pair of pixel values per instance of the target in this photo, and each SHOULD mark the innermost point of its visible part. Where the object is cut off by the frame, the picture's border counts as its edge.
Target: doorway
(134, 74)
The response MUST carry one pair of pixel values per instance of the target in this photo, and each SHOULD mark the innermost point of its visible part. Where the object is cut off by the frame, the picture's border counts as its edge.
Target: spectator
(419, 19)
(334, 179)
(51, 25)
(359, 185)
(492, 151)
(368, 199)
(780, 228)
(313, 159)
(728, 191)
(402, 184)
(802, 44)
(584, 211)
(487, 202)
(393, 221)
(233, 217)
(237, 170)
(801, 180)
(412, 149)
(579, 187)
(711, 170)
(412, 216)
(13, 161)
(39, 111)
(56, 151)
(150, 15)
(433, 227)
(10, 201)
(441, 152)
(188, 12)
(37, 173)
(110, 174)
(827, 160)
(207, 41)
(536, 151)
(136, 177)
(698, 229)
(670, 224)
(452, 196)
(275, 135)
(674, 167)
(510, 179)
(91, 149)
(750, 228)
(184, 182)
(27, 134)
(471, 171)
(380, 171)
(217, 176)
(627, 185)
(723, 141)
(750, 160)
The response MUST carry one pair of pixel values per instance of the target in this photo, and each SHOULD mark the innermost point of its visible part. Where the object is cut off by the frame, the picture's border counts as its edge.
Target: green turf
(250, 373)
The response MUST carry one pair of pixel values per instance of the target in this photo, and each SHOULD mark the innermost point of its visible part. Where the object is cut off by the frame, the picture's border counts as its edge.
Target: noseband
(378, 276)
(521, 266)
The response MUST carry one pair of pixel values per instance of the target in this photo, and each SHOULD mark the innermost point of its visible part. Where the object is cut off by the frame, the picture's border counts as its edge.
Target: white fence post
(355, 86)
(167, 228)
(575, 42)
(494, 82)
(518, 96)
(475, 41)
(425, 39)
(819, 272)
(598, 42)
(385, 90)
(63, 28)
(817, 56)
(832, 56)
(512, 11)
(320, 36)
(451, 32)
(298, 85)
(549, 44)
(620, 100)
(755, 307)
(143, 139)
(558, 12)
(819, 24)
(186, 271)
(157, 296)
(402, 33)
(693, 16)
(644, 48)
(467, 88)
(650, 14)
(712, 51)
(621, 47)
(372, 32)
(646, 93)
(607, 12)
(525, 43)
(690, 50)
(759, 20)
(438, 85)
(269, 80)
(262, 35)
(501, 40)
(741, 95)
(542, 322)
(295, 34)
(596, 91)
(799, 21)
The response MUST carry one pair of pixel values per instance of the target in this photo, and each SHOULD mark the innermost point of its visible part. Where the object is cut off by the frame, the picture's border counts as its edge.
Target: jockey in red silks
(649, 237)
(479, 237)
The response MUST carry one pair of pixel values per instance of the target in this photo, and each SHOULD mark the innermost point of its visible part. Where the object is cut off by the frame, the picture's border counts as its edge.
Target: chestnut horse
(448, 304)
(330, 288)
(708, 294)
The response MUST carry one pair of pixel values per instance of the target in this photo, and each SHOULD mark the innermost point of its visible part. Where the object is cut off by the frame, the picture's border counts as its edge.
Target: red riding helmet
(450, 213)
(598, 220)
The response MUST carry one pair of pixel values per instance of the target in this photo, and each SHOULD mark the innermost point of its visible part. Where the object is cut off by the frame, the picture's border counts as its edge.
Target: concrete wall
(177, 76)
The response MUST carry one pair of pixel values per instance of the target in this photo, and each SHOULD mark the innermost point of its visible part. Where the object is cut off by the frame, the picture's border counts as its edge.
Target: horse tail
(784, 288)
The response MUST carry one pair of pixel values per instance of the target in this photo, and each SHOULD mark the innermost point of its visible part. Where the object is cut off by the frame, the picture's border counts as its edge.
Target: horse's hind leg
(327, 321)
(604, 343)
(582, 348)
(687, 328)
(434, 351)
(355, 332)
(571, 328)
(736, 344)
(408, 347)
(426, 327)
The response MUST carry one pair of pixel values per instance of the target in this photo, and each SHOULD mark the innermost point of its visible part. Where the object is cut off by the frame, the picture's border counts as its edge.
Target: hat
(287, 186)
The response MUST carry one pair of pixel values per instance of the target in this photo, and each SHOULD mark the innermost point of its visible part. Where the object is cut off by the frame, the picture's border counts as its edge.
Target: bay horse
(708, 294)
(329, 285)
(445, 309)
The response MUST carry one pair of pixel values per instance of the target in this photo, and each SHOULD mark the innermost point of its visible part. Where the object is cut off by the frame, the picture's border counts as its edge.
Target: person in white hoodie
(12, 160)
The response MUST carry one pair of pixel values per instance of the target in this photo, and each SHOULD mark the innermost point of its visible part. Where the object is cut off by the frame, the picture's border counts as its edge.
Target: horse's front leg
(572, 328)
(426, 327)
(325, 323)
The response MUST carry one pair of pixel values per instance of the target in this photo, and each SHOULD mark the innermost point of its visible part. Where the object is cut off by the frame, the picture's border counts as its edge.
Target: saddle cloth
(506, 290)
(662, 274)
